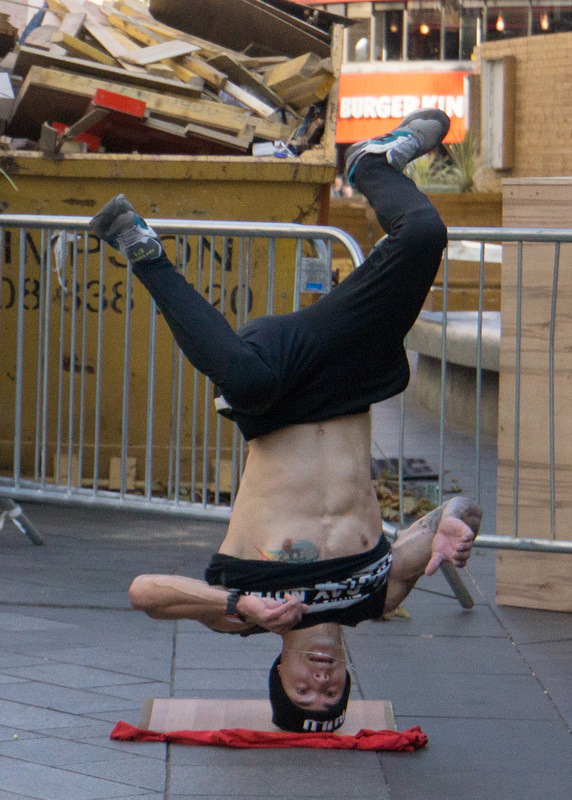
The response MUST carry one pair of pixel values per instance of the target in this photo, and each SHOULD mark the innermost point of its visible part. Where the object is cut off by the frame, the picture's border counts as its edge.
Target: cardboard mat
(175, 714)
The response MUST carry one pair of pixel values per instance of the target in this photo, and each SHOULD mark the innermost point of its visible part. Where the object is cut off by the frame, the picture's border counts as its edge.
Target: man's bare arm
(178, 597)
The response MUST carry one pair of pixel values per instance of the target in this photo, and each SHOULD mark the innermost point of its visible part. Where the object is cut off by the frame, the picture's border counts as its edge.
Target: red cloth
(240, 737)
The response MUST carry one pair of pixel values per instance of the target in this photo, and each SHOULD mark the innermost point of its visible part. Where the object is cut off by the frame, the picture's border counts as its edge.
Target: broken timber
(51, 89)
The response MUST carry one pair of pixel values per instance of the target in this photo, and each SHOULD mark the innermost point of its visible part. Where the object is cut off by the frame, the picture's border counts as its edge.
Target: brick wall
(543, 106)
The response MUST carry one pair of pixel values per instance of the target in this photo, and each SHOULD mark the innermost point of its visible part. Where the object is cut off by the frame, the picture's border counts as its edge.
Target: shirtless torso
(306, 494)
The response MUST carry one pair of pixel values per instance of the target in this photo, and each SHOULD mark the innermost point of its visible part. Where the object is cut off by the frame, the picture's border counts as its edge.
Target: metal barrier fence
(99, 406)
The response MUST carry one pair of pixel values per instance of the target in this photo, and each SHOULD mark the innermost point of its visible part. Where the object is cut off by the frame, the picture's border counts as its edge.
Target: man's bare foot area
(456, 531)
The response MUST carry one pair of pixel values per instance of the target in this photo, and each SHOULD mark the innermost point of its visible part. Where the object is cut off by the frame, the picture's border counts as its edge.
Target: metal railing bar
(443, 374)
(19, 358)
(46, 360)
(62, 279)
(179, 405)
(207, 384)
(98, 372)
(551, 431)
(126, 385)
(286, 229)
(39, 372)
(271, 276)
(517, 386)
(73, 331)
(150, 399)
(83, 359)
(297, 276)
(479, 374)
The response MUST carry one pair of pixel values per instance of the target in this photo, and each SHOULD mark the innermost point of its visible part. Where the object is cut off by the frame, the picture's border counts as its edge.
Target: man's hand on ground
(274, 615)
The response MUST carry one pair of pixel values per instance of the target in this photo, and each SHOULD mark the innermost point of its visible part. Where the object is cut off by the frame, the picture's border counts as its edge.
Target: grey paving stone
(134, 770)
(221, 693)
(71, 675)
(86, 730)
(49, 783)
(10, 660)
(12, 796)
(187, 680)
(558, 689)
(271, 781)
(74, 701)
(157, 750)
(478, 759)
(130, 715)
(529, 625)
(479, 785)
(206, 638)
(9, 734)
(228, 757)
(9, 678)
(230, 797)
(136, 663)
(220, 653)
(22, 623)
(469, 655)
(143, 795)
(56, 752)
(29, 717)
(439, 617)
(137, 692)
(39, 642)
(458, 695)
(552, 657)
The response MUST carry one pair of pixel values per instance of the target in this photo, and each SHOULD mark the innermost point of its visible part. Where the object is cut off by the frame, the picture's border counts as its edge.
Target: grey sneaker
(419, 133)
(119, 225)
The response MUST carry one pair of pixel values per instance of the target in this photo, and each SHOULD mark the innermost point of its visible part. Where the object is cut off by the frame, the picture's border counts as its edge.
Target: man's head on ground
(309, 683)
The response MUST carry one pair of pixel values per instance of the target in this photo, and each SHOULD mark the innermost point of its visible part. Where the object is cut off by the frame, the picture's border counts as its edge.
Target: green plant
(431, 170)
(457, 170)
(464, 157)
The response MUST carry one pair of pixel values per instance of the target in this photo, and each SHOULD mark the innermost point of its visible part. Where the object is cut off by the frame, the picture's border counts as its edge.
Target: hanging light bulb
(393, 28)
(544, 22)
(500, 23)
(424, 29)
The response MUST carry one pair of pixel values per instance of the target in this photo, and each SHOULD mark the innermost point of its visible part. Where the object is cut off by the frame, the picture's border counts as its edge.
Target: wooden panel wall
(536, 580)
(543, 105)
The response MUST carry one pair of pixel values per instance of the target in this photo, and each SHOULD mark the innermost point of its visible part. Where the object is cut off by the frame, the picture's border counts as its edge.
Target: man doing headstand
(304, 552)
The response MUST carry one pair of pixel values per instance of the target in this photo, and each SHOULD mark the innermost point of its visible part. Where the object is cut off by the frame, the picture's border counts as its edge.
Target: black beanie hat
(290, 717)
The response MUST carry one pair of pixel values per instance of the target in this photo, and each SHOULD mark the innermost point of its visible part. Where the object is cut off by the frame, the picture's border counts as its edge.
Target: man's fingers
(285, 608)
(433, 565)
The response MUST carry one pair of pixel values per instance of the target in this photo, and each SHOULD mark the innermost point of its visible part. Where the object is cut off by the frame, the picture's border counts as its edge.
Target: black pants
(335, 357)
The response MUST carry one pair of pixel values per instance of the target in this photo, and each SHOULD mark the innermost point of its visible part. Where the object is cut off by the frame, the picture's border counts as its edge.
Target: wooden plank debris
(48, 140)
(218, 89)
(77, 90)
(248, 99)
(244, 77)
(282, 77)
(72, 23)
(28, 57)
(163, 71)
(82, 49)
(158, 52)
(42, 36)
